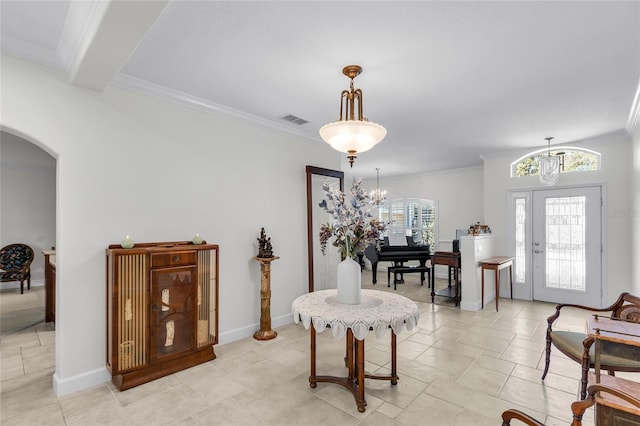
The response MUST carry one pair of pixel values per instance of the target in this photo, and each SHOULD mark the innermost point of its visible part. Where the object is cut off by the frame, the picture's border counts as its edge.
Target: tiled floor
(456, 368)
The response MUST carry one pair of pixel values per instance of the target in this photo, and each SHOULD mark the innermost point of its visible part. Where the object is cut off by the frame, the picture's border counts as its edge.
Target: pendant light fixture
(352, 133)
(378, 197)
(549, 167)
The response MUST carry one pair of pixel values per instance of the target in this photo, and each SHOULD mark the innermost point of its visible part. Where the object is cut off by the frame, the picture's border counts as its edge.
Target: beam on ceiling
(115, 30)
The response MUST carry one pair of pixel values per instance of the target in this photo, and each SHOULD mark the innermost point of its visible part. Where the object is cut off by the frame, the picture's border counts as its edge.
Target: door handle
(538, 251)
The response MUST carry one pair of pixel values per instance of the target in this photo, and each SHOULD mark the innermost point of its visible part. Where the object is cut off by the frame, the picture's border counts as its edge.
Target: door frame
(525, 290)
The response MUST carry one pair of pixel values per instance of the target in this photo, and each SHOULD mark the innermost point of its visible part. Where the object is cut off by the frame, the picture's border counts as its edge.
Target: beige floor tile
(489, 361)
(483, 380)
(47, 415)
(449, 391)
(467, 418)
(522, 356)
(493, 407)
(400, 394)
(539, 397)
(389, 410)
(165, 407)
(455, 364)
(426, 408)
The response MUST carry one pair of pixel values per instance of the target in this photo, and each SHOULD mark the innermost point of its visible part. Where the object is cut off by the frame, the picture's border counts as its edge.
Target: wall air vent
(293, 119)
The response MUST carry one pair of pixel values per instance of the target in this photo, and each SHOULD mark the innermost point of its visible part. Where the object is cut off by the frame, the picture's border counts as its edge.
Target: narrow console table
(49, 285)
(378, 311)
(497, 263)
(452, 260)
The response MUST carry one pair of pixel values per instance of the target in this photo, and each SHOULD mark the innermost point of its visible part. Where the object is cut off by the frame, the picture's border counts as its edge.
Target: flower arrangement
(354, 228)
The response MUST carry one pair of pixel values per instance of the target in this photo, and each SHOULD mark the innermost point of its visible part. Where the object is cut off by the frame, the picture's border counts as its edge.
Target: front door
(567, 248)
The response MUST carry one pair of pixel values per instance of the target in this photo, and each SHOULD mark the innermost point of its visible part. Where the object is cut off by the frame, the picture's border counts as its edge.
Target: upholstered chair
(15, 264)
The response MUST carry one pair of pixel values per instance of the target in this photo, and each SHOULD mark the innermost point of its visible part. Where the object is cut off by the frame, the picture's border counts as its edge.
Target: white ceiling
(450, 81)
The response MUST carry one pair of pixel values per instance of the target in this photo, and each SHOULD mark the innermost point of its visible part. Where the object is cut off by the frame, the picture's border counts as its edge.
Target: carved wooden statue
(264, 245)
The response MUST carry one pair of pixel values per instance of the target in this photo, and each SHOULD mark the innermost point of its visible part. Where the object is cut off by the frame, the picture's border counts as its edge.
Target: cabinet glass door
(173, 311)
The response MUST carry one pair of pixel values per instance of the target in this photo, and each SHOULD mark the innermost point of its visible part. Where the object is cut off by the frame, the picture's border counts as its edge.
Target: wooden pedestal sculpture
(265, 257)
(265, 332)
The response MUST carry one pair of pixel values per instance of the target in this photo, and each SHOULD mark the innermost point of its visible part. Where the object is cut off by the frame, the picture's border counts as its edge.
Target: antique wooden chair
(15, 264)
(579, 346)
(511, 414)
(613, 406)
(608, 397)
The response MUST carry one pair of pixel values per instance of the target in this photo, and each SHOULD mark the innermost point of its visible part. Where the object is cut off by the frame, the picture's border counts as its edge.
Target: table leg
(394, 366)
(482, 291)
(360, 401)
(350, 361)
(497, 287)
(433, 283)
(511, 278)
(312, 376)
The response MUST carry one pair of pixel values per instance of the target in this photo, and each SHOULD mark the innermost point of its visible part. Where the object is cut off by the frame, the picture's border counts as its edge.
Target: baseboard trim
(73, 384)
(249, 330)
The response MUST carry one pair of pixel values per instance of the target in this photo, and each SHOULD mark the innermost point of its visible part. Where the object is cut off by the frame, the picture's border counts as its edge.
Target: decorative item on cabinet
(127, 243)
(162, 309)
(478, 229)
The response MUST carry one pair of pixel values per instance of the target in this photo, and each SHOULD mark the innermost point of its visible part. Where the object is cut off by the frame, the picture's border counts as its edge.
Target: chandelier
(549, 167)
(352, 133)
(377, 196)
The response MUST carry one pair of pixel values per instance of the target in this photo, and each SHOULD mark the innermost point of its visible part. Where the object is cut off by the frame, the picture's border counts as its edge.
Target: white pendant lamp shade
(352, 135)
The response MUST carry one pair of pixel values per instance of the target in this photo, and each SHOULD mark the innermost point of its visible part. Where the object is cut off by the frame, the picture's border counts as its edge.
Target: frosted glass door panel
(567, 260)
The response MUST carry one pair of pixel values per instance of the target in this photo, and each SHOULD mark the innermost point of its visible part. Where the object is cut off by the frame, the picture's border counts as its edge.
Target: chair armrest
(610, 308)
(519, 415)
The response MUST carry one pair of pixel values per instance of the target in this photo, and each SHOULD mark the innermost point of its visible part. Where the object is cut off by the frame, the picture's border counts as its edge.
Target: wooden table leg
(482, 291)
(394, 366)
(360, 401)
(350, 360)
(511, 278)
(312, 377)
(497, 286)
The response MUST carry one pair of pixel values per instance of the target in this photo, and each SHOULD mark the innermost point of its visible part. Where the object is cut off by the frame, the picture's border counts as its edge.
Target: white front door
(567, 253)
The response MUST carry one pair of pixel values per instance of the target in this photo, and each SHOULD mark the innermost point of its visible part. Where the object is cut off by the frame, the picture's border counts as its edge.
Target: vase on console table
(349, 282)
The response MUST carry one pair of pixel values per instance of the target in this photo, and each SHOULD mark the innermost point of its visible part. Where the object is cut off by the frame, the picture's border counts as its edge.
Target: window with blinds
(415, 217)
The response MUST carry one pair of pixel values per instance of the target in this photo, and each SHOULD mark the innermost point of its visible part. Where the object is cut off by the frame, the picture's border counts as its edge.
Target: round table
(378, 311)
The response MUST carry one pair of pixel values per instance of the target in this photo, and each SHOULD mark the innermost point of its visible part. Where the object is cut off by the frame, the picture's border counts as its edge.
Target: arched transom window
(572, 159)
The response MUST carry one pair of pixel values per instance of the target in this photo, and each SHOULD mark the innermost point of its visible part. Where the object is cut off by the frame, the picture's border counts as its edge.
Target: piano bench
(406, 270)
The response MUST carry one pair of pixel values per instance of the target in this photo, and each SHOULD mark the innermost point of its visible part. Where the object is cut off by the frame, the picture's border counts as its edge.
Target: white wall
(458, 193)
(635, 197)
(27, 200)
(130, 164)
(615, 176)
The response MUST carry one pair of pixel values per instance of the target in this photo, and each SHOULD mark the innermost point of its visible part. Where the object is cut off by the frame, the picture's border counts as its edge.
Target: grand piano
(396, 254)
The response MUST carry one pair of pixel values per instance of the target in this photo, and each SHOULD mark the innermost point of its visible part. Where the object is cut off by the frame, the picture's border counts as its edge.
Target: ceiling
(451, 81)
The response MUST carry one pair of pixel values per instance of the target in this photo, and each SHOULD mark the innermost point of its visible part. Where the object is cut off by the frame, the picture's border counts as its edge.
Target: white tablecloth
(378, 310)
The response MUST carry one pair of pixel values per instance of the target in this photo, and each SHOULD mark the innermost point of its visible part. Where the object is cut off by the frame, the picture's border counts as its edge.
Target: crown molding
(144, 87)
(633, 124)
(31, 52)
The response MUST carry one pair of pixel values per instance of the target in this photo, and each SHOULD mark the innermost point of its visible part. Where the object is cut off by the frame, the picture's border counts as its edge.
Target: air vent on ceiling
(293, 119)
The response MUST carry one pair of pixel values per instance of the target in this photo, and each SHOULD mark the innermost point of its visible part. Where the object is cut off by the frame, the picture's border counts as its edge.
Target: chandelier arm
(344, 98)
(358, 94)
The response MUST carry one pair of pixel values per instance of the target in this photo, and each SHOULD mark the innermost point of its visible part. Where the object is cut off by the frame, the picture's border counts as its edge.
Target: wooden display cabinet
(162, 309)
